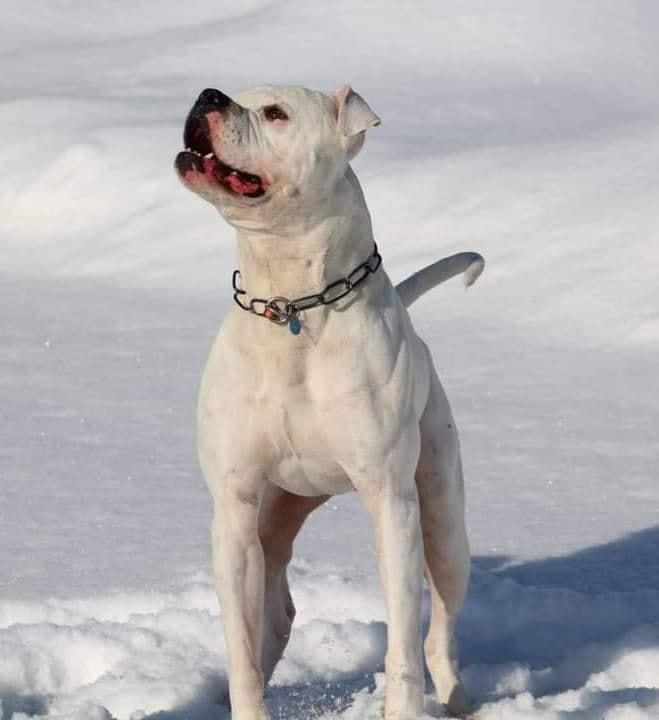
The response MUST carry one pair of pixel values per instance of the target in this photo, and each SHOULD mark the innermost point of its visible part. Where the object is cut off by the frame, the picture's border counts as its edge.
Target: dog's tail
(413, 287)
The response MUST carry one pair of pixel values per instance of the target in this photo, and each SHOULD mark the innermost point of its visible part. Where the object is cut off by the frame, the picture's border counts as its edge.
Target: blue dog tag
(294, 325)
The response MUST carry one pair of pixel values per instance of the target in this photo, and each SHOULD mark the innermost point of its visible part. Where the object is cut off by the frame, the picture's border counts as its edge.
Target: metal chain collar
(282, 311)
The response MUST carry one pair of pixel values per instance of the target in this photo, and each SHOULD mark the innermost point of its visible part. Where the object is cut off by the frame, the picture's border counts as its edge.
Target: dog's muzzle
(199, 163)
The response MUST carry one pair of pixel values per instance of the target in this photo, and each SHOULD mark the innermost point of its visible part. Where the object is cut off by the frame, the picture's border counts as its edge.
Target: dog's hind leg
(281, 516)
(446, 550)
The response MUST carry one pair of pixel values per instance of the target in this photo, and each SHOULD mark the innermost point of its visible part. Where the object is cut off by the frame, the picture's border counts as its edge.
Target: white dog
(317, 385)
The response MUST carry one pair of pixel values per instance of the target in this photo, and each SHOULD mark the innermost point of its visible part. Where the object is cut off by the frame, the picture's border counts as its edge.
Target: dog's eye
(274, 112)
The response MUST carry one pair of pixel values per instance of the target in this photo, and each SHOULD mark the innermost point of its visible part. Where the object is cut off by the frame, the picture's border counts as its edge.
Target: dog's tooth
(208, 155)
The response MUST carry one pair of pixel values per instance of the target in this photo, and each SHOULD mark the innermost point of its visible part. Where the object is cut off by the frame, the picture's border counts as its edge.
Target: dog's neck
(309, 258)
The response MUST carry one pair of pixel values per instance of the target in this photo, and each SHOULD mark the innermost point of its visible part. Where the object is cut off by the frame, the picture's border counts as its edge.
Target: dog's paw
(459, 705)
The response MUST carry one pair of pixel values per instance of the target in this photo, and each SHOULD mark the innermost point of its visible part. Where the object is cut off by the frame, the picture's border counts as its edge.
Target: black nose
(213, 99)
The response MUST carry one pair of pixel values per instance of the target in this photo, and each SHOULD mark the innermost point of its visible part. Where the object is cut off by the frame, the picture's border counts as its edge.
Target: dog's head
(271, 152)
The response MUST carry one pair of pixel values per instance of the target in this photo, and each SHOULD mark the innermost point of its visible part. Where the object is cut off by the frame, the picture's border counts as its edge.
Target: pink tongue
(240, 186)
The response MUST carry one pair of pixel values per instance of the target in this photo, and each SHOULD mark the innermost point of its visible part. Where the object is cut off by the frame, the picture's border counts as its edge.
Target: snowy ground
(528, 131)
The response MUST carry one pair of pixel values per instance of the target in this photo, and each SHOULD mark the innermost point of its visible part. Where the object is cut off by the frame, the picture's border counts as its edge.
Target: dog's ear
(355, 116)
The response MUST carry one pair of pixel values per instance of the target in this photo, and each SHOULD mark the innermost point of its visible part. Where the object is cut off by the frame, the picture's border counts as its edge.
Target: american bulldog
(316, 385)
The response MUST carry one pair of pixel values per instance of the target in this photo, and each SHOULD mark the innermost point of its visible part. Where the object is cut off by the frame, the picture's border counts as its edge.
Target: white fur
(352, 403)
(469, 263)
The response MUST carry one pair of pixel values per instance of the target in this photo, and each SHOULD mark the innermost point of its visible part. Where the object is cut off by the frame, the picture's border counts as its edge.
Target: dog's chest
(301, 461)
(276, 407)
(302, 409)
(298, 434)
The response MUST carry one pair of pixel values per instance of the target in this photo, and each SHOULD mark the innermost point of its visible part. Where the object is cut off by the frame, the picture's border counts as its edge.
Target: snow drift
(524, 130)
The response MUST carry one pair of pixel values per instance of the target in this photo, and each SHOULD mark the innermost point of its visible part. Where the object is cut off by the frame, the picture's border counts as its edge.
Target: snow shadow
(208, 703)
(550, 626)
(542, 627)
(307, 700)
(628, 564)
(29, 704)
(314, 699)
(540, 610)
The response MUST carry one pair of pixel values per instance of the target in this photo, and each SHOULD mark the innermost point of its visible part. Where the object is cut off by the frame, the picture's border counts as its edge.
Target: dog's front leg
(239, 573)
(394, 507)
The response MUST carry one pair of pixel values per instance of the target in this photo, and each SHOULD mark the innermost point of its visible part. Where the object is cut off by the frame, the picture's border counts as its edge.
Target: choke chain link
(282, 311)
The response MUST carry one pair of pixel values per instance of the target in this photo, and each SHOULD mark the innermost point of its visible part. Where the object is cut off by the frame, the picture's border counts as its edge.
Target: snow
(524, 130)
(527, 649)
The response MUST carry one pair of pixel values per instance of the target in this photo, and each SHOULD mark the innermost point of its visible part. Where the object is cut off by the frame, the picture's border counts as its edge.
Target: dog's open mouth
(200, 157)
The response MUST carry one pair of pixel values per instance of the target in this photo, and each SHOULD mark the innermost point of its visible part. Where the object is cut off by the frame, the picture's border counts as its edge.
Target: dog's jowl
(317, 384)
